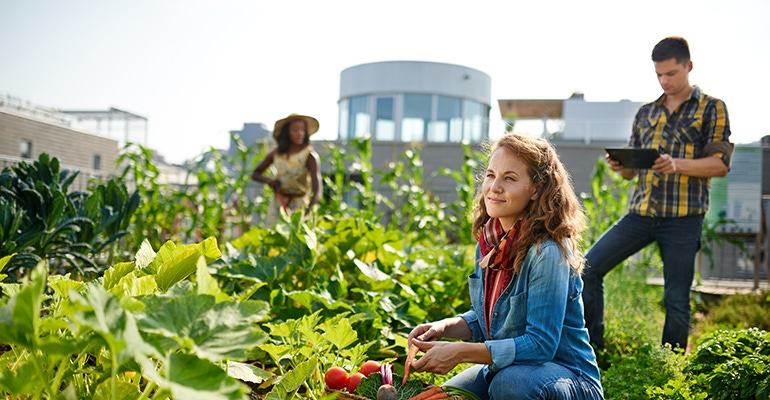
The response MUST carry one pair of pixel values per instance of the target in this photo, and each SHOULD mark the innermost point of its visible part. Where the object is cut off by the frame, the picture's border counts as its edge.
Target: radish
(387, 391)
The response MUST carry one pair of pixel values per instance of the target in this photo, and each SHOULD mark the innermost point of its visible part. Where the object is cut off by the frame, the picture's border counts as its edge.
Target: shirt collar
(696, 94)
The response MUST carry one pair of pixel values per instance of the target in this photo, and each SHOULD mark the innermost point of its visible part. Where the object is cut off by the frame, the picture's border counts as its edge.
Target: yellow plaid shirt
(699, 121)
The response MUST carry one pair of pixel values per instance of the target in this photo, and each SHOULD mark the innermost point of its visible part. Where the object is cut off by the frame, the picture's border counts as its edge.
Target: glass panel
(384, 125)
(97, 162)
(475, 122)
(344, 131)
(417, 109)
(359, 116)
(449, 120)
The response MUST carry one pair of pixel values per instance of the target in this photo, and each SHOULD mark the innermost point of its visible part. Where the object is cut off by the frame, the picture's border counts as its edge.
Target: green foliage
(461, 218)
(121, 334)
(633, 316)
(736, 363)
(640, 367)
(340, 286)
(726, 365)
(40, 219)
(737, 311)
(349, 265)
(303, 349)
(607, 202)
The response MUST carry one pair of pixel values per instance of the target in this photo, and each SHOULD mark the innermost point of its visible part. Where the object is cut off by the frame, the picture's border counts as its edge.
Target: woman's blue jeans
(678, 240)
(518, 382)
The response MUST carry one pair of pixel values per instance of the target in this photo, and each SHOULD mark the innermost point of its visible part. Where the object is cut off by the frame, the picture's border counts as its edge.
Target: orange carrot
(438, 396)
(413, 349)
(430, 392)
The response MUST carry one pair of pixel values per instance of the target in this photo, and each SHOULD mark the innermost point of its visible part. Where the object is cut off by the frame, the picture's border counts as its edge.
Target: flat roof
(531, 109)
(99, 114)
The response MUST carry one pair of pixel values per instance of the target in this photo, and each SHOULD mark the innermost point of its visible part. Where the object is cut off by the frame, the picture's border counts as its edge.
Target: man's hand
(615, 165)
(665, 164)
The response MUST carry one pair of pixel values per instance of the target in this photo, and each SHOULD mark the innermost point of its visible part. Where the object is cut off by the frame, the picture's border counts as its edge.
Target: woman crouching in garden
(525, 330)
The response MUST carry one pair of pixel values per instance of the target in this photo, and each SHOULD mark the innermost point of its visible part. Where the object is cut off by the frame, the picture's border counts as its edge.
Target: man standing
(691, 132)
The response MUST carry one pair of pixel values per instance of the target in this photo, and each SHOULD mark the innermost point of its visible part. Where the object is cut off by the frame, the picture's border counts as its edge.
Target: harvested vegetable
(369, 386)
(410, 355)
(369, 367)
(353, 381)
(455, 391)
(387, 391)
(430, 393)
(336, 378)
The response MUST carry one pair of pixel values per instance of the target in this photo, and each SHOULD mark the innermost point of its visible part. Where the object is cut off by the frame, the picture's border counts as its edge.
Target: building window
(359, 117)
(417, 113)
(475, 122)
(448, 126)
(25, 149)
(344, 119)
(384, 124)
(97, 162)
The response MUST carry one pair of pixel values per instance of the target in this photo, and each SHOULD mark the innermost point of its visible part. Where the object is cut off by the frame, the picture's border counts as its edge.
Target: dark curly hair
(283, 139)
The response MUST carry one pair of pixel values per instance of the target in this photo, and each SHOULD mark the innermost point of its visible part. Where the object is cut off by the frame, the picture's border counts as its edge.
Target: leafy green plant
(303, 349)
(726, 365)
(736, 363)
(607, 202)
(159, 215)
(641, 367)
(42, 220)
(143, 330)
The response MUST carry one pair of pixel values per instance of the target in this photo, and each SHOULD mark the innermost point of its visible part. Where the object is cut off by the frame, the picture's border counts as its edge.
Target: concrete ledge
(719, 287)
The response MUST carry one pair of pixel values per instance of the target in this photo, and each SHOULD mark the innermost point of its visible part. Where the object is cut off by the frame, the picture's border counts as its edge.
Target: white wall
(592, 121)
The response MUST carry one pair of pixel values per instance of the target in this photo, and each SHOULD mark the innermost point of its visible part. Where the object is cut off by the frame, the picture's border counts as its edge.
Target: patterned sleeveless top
(291, 170)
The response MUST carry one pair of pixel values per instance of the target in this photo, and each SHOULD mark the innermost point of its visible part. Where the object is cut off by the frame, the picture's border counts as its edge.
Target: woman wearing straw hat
(296, 167)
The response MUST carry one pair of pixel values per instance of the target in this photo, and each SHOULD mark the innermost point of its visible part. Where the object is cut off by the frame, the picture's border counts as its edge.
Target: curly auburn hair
(555, 214)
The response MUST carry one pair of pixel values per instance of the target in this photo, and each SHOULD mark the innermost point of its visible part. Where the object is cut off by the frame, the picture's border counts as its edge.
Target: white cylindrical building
(414, 101)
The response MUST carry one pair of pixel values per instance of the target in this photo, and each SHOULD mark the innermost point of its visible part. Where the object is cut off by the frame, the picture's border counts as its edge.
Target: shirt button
(495, 314)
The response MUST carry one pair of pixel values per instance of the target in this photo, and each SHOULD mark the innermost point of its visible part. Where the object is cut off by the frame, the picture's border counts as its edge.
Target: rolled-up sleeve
(472, 320)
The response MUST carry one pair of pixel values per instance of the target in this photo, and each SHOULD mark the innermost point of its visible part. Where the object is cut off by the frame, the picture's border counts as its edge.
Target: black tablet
(633, 157)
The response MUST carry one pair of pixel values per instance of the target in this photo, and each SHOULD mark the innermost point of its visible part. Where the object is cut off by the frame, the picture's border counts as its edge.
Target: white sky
(198, 69)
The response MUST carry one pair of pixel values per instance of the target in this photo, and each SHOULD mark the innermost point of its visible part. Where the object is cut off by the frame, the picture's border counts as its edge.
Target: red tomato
(369, 367)
(354, 380)
(336, 378)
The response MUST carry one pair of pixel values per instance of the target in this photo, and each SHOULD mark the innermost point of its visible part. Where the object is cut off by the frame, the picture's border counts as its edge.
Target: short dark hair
(672, 47)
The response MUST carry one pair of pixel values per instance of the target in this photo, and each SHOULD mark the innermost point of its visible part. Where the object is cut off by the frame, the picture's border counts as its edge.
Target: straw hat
(310, 122)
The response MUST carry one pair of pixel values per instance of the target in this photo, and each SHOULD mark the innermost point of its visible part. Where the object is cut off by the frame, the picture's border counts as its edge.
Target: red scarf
(497, 248)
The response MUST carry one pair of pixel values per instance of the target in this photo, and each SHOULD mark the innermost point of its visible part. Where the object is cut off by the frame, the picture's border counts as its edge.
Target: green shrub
(737, 311)
(726, 365)
(641, 367)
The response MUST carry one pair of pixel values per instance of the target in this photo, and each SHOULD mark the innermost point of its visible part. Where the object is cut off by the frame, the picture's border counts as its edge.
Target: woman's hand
(431, 331)
(439, 357)
(275, 184)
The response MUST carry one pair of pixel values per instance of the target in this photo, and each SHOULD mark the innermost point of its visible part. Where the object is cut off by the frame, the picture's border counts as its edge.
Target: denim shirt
(538, 318)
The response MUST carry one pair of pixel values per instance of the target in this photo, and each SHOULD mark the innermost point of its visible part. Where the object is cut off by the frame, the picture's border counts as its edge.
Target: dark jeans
(678, 240)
